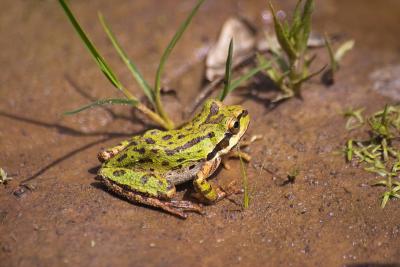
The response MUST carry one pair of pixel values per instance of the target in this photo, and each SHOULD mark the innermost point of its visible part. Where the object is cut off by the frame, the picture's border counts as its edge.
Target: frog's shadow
(66, 130)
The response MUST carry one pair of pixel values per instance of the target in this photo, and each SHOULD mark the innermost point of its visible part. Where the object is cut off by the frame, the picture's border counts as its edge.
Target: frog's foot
(111, 152)
(232, 189)
(209, 198)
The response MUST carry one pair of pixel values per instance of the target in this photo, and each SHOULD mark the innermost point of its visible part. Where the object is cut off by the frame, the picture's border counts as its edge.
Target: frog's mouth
(229, 140)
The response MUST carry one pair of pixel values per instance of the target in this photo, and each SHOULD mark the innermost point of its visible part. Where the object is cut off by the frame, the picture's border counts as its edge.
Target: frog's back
(163, 151)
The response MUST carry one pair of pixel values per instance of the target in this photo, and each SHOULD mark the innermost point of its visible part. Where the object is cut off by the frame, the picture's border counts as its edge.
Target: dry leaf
(244, 41)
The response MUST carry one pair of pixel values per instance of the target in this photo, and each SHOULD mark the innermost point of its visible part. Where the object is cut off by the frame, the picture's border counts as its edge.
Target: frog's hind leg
(176, 208)
(146, 189)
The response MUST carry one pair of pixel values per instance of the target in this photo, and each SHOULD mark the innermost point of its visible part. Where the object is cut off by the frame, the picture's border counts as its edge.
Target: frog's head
(231, 122)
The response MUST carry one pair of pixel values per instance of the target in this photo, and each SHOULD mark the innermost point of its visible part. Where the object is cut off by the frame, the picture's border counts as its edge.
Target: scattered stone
(20, 191)
(386, 81)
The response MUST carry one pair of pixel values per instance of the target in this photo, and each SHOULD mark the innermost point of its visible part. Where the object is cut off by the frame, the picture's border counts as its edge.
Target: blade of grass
(171, 45)
(109, 101)
(104, 67)
(246, 198)
(385, 199)
(296, 20)
(306, 25)
(328, 45)
(148, 91)
(304, 79)
(237, 82)
(228, 72)
(164, 57)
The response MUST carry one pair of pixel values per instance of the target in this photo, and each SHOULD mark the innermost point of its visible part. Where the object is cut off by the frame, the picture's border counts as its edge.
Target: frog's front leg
(208, 193)
(238, 153)
(105, 155)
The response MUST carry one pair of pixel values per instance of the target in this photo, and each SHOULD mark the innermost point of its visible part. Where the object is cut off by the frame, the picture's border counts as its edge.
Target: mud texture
(329, 216)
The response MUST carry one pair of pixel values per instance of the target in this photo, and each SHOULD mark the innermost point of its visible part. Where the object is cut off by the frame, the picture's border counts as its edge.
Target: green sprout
(292, 175)
(380, 153)
(335, 58)
(355, 118)
(290, 60)
(4, 178)
(157, 113)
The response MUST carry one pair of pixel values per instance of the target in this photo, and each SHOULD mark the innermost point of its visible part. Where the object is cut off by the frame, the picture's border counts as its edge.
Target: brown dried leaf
(243, 38)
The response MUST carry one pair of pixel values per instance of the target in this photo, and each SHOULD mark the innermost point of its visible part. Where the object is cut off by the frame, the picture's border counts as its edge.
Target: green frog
(146, 168)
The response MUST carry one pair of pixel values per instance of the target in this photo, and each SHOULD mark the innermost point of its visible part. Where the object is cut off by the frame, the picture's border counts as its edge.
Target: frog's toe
(219, 194)
(225, 164)
(232, 189)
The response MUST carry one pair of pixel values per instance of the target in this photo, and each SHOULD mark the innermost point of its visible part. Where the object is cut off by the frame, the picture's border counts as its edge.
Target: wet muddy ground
(328, 217)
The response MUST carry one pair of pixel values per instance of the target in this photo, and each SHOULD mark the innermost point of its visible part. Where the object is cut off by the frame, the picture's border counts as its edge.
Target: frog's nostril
(245, 113)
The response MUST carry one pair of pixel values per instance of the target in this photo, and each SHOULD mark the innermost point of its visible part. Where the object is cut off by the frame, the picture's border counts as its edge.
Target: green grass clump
(291, 59)
(291, 62)
(153, 93)
(157, 114)
(380, 153)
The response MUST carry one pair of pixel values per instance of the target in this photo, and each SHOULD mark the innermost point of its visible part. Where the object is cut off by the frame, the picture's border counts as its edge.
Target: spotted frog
(146, 168)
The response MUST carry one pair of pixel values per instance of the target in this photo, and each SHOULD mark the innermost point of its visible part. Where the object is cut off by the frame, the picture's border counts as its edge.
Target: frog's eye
(234, 126)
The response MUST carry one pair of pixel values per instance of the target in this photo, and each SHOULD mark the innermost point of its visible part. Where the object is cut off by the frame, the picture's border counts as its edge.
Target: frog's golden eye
(234, 126)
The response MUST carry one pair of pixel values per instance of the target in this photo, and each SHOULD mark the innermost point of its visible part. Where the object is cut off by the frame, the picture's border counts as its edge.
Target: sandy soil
(328, 217)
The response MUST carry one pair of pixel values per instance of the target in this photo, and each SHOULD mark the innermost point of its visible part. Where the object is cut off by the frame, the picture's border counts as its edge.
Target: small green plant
(290, 61)
(292, 175)
(380, 153)
(157, 114)
(355, 118)
(4, 178)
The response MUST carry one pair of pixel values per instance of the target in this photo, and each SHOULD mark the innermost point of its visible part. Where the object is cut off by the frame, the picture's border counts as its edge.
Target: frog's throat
(229, 140)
